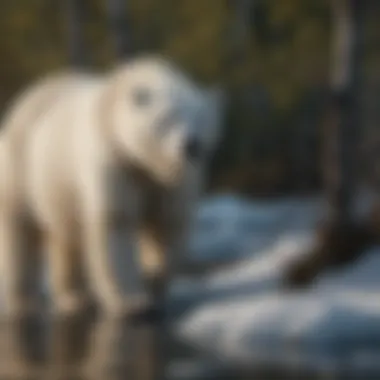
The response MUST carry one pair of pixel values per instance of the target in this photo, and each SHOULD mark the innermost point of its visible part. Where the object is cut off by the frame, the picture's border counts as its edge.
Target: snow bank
(261, 272)
(314, 331)
(279, 232)
(228, 228)
(241, 315)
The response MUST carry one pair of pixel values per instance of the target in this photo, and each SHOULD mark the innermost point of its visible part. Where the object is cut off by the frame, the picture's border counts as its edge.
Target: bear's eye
(142, 97)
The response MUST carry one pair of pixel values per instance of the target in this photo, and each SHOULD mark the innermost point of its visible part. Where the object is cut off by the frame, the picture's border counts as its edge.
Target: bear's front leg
(104, 243)
(162, 246)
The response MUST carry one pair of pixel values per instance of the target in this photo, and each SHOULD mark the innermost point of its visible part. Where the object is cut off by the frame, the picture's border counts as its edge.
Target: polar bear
(91, 160)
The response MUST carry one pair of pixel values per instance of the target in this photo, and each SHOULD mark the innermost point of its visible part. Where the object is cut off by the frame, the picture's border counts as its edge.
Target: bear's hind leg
(20, 269)
(68, 290)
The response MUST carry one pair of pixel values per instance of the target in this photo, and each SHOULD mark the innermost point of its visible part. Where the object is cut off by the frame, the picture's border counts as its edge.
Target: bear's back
(31, 104)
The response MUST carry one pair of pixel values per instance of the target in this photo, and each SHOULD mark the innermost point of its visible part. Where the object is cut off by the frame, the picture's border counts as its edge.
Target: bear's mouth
(169, 122)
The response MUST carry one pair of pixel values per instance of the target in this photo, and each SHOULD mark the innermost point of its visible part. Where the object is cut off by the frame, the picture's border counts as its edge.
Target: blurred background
(284, 264)
(273, 55)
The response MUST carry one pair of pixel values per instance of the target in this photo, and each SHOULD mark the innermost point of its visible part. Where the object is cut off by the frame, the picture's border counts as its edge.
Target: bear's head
(160, 120)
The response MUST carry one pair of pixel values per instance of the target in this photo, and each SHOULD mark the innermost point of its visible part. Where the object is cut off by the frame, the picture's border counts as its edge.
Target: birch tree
(341, 237)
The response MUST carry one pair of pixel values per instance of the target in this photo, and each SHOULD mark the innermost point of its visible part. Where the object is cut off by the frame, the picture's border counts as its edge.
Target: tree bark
(341, 238)
(119, 26)
(75, 13)
(342, 131)
(236, 34)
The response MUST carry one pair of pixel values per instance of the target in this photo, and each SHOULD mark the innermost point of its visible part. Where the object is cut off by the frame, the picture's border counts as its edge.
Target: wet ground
(87, 348)
(81, 348)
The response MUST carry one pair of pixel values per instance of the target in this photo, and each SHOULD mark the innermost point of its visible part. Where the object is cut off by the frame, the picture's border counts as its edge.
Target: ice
(242, 315)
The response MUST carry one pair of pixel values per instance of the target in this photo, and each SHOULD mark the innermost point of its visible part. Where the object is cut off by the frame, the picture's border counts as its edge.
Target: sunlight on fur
(100, 175)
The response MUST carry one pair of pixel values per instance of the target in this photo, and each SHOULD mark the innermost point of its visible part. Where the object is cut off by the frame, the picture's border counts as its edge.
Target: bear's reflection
(67, 347)
(80, 348)
(22, 348)
(119, 351)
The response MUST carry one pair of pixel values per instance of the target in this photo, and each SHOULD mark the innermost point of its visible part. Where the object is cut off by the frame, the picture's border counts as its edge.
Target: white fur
(95, 165)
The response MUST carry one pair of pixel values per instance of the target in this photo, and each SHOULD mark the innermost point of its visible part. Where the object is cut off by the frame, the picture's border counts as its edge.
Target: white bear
(90, 160)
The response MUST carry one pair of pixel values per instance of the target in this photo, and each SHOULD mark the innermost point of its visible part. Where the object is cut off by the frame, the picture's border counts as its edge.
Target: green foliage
(284, 56)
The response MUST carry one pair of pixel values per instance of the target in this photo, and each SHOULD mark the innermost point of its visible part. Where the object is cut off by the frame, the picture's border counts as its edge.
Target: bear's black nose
(193, 149)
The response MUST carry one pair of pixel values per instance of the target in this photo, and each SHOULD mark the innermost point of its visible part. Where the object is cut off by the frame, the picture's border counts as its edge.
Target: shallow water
(80, 348)
(87, 348)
